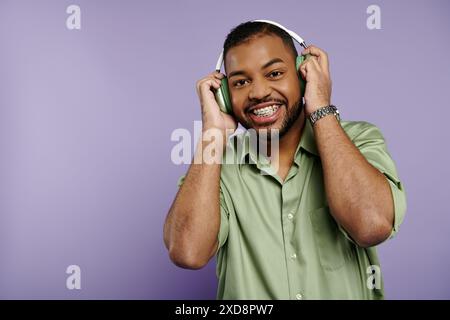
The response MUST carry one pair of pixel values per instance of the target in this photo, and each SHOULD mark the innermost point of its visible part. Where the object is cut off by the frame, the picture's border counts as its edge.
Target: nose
(259, 90)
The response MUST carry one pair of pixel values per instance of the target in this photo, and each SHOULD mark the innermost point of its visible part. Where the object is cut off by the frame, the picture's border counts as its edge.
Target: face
(264, 84)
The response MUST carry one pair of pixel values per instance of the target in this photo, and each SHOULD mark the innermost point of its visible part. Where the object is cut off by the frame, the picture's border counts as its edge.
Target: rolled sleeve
(370, 142)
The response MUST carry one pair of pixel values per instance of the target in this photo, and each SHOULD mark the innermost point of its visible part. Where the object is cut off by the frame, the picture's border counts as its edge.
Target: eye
(275, 74)
(240, 83)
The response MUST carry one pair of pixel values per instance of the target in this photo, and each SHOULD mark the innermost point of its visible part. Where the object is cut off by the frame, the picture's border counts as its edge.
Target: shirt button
(299, 296)
(290, 216)
(293, 256)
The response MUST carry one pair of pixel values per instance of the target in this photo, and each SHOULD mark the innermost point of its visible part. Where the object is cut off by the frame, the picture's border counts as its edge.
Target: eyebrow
(268, 64)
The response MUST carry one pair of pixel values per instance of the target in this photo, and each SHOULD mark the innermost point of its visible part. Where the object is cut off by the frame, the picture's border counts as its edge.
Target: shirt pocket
(333, 248)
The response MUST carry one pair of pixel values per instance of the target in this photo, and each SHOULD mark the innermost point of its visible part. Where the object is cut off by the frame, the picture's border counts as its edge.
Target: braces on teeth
(266, 111)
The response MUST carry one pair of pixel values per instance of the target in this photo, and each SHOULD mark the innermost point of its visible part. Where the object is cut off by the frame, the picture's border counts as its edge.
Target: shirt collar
(307, 141)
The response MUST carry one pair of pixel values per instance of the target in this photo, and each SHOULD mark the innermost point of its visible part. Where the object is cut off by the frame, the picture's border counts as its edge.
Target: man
(308, 230)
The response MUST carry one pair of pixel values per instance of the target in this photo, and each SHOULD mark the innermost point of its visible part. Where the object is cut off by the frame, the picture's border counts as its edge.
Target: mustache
(253, 103)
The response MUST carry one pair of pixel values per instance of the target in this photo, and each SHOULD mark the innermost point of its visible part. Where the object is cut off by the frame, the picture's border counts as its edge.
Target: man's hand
(212, 116)
(315, 70)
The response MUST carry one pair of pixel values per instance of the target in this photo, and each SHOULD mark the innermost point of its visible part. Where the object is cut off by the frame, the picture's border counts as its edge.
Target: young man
(308, 230)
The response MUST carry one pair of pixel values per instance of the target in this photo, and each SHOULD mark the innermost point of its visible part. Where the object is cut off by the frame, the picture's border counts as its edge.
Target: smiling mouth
(265, 111)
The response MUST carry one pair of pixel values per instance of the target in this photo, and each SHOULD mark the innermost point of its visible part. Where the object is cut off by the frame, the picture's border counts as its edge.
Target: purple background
(86, 118)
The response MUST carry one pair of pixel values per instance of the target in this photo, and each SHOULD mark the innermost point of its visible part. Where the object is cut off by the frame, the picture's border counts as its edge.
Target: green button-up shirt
(278, 239)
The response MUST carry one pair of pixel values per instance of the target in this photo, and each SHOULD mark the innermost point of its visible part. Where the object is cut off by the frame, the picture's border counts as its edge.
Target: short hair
(250, 29)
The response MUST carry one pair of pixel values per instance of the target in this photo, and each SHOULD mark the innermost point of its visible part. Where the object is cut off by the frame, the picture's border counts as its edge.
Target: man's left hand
(315, 70)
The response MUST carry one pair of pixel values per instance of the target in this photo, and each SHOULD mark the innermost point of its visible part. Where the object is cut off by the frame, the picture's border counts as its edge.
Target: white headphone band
(294, 36)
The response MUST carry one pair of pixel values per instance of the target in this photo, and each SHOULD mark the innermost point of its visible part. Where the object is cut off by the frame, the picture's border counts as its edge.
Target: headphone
(223, 93)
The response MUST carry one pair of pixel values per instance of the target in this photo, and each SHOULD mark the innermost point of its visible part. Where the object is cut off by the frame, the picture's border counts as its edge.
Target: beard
(291, 116)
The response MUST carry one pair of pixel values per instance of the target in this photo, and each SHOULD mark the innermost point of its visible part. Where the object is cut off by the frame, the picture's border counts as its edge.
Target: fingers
(302, 70)
(213, 80)
(314, 51)
(218, 75)
(204, 86)
(310, 64)
(319, 54)
(205, 91)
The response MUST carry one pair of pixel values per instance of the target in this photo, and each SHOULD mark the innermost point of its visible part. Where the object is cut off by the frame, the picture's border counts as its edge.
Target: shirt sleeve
(224, 215)
(370, 142)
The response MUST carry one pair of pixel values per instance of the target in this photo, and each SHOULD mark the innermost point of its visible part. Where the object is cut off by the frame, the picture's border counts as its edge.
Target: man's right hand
(212, 116)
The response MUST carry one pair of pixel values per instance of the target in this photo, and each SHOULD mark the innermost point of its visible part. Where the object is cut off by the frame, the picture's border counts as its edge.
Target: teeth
(266, 111)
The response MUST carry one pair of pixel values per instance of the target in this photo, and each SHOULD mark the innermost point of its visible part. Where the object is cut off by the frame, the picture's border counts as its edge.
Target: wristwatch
(322, 112)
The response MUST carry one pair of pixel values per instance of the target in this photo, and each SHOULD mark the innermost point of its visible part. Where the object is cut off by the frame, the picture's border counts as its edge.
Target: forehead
(256, 52)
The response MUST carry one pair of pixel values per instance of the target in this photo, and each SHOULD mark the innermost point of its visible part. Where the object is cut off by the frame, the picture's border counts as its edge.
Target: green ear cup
(223, 93)
(223, 97)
